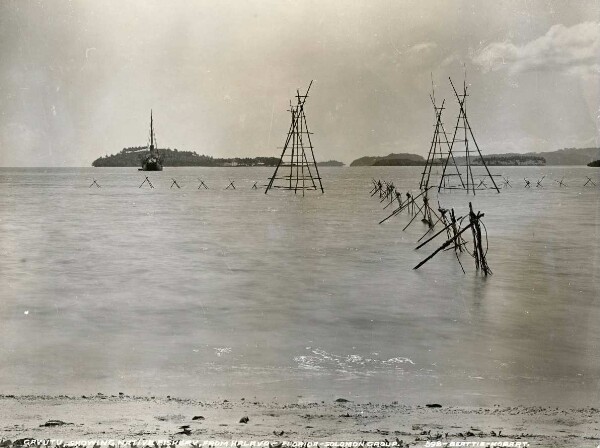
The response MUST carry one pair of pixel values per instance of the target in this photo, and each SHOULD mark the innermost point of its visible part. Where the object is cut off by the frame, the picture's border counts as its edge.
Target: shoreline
(123, 417)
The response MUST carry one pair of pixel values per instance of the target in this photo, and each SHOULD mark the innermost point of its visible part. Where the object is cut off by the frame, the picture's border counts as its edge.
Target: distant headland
(132, 157)
(416, 160)
(390, 160)
(331, 163)
(567, 156)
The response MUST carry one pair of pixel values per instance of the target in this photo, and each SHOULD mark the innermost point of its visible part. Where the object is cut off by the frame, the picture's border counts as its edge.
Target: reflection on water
(209, 293)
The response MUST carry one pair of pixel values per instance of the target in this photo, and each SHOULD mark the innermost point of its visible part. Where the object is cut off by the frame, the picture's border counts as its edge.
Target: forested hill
(172, 157)
(415, 160)
(391, 159)
(567, 156)
(331, 163)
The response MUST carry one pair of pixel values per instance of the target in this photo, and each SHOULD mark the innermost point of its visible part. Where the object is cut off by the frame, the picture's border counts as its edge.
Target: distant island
(331, 163)
(416, 160)
(594, 164)
(391, 159)
(398, 162)
(131, 157)
(506, 160)
(567, 156)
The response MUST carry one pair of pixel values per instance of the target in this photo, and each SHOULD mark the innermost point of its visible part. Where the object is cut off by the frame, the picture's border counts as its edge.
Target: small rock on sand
(51, 423)
(342, 400)
(433, 405)
(197, 417)
(244, 420)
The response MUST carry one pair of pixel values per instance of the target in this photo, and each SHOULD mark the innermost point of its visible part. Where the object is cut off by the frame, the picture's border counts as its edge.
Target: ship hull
(151, 166)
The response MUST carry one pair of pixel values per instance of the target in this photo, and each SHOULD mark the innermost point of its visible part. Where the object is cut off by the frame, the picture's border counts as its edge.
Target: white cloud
(574, 50)
(450, 60)
(421, 49)
(421, 55)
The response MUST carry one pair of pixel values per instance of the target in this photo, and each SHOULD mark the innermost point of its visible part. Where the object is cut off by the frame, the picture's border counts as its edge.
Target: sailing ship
(153, 160)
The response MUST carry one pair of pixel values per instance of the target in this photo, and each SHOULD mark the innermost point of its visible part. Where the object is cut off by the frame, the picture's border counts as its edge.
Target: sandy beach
(123, 417)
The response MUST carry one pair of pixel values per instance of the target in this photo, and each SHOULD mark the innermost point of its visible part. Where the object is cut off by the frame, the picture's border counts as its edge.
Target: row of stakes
(454, 228)
(505, 184)
(230, 186)
(539, 183)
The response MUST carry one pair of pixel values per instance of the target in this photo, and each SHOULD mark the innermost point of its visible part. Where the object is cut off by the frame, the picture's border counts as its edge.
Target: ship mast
(151, 133)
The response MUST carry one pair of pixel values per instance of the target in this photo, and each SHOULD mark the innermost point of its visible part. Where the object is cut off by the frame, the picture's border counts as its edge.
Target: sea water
(225, 293)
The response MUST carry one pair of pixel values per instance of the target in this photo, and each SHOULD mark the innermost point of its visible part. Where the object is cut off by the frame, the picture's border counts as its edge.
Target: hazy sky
(78, 78)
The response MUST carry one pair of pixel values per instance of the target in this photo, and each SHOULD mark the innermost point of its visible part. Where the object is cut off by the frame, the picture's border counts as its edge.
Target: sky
(78, 78)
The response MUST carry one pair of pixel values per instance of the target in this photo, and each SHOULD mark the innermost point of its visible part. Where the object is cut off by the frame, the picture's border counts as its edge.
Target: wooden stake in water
(539, 183)
(410, 201)
(561, 183)
(378, 188)
(146, 180)
(479, 252)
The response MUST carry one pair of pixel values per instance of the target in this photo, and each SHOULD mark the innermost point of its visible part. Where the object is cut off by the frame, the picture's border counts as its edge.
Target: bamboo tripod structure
(297, 155)
(438, 142)
(465, 136)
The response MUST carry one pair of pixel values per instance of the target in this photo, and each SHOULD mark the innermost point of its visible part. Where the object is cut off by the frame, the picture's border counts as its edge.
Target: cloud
(421, 55)
(573, 50)
(422, 48)
(448, 60)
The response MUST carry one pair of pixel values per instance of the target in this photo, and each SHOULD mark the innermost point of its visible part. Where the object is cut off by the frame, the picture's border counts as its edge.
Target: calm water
(221, 293)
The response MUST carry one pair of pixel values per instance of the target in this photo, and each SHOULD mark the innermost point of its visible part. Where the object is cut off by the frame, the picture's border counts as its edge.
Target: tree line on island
(567, 156)
(416, 160)
(132, 157)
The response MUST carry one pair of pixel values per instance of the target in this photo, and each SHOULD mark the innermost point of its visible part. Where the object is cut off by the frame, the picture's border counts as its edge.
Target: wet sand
(128, 417)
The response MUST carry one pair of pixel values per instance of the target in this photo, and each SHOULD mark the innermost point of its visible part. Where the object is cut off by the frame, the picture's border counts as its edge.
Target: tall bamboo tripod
(461, 139)
(297, 168)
